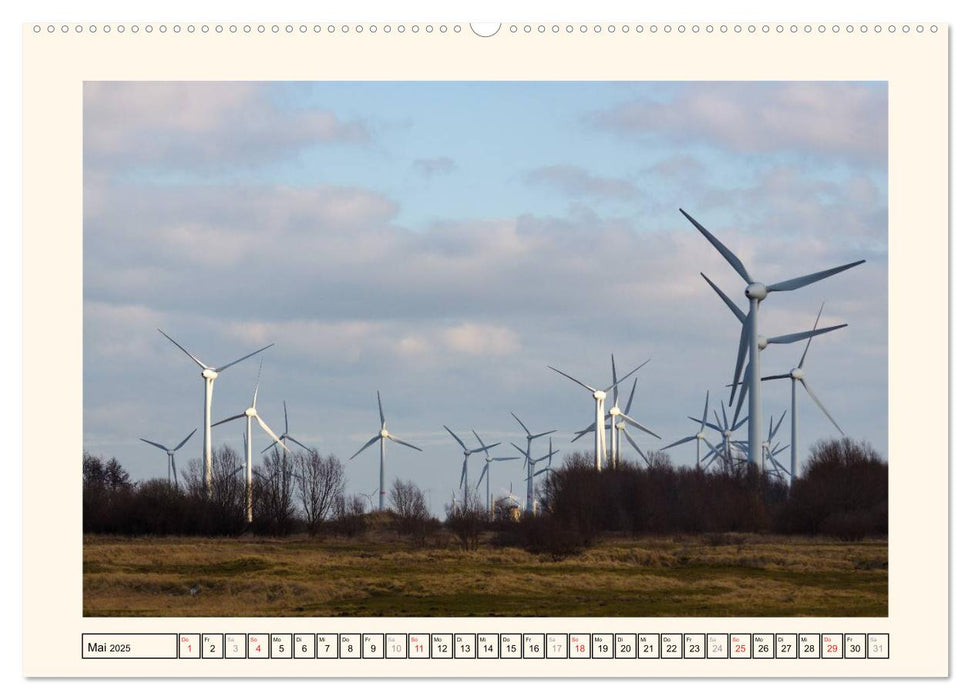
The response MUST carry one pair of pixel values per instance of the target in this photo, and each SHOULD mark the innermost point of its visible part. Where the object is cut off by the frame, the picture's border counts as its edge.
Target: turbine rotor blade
(739, 314)
(743, 343)
(185, 440)
(392, 438)
(797, 282)
(820, 404)
(706, 425)
(226, 420)
(635, 446)
(777, 426)
(293, 439)
(585, 386)
(630, 399)
(806, 349)
(679, 442)
(720, 247)
(191, 356)
(269, 432)
(244, 357)
(520, 422)
(457, 438)
(481, 443)
(589, 428)
(539, 435)
(639, 426)
(613, 375)
(365, 446)
(775, 376)
(627, 375)
(286, 421)
(380, 409)
(161, 447)
(704, 416)
(796, 337)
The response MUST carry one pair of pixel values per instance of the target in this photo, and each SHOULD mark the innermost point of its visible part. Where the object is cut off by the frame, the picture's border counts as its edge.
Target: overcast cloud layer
(445, 242)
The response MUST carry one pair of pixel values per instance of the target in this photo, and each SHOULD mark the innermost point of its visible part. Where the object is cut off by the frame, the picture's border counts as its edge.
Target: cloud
(200, 126)
(430, 167)
(846, 120)
(577, 182)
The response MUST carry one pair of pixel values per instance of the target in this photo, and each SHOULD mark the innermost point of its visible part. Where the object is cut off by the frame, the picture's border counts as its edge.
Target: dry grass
(726, 575)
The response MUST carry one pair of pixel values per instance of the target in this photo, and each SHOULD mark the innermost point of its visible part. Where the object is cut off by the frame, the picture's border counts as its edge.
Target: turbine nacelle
(600, 395)
(797, 373)
(209, 373)
(615, 411)
(763, 342)
(700, 436)
(757, 291)
(384, 433)
(250, 412)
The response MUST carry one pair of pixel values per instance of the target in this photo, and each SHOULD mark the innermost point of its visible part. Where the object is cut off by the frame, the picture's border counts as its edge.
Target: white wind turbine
(530, 463)
(249, 414)
(770, 451)
(486, 471)
(209, 375)
(286, 433)
(798, 376)
(698, 437)
(171, 455)
(382, 435)
(599, 395)
(755, 292)
(529, 445)
(464, 480)
(619, 427)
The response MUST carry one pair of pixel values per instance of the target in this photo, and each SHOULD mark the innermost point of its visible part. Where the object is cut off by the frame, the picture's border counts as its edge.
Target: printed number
(465, 648)
(212, 648)
(763, 648)
(693, 648)
(810, 648)
(280, 649)
(442, 648)
(625, 648)
(581, 648)
(647, 649)
(603, 648)
(855, 648)
(374, 648)
(534, 648)
(326, 647)
(832, 649)
(739, 648)
(259, 647)
(671, 648)
(785, 648)
(488, 648)
(303, 649)
(235, 648)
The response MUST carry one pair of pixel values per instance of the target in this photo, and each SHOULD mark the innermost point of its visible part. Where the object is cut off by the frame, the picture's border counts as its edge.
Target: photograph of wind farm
(410, 292)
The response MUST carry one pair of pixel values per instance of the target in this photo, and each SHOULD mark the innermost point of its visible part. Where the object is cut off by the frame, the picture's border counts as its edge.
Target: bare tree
(467, 519)
(320, 485)
(273, 493)
(410, 510)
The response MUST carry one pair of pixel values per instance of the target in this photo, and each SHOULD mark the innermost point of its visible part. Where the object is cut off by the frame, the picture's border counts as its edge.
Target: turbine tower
(171, 455)
(249, 414)
(464, 480)
(382, 435)
(529, 475)
(599, 395)
(286, 433)
(798, 376)
(755, 292)
(209, 375)
(486, 471)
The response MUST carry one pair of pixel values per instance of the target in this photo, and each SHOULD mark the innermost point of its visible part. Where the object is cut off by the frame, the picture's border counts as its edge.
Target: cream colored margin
(916, 67)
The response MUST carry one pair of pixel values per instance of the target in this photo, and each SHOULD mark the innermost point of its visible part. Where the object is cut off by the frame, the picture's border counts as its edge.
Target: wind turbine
(769, 452)
(531, 464)
(286, 433)
(209, 375)
(755, 292)
(726, 429)
(485, 471)
(464, 480)
(171, 453)
(382, 435)
(249, 414)
(620, 428)
(798, 376)
(764, 342)
(599, 395)
(529, 474)
(698, 437)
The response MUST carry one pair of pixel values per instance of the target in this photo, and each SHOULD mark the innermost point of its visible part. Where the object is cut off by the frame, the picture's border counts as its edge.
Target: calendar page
(611, 349)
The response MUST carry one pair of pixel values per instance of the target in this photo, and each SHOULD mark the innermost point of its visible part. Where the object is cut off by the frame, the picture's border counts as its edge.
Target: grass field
(724, 575)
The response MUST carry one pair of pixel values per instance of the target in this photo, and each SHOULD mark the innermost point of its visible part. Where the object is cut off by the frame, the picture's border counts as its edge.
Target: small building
(507, 508)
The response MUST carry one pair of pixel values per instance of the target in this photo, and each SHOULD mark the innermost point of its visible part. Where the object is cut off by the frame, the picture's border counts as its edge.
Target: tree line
(842, 493)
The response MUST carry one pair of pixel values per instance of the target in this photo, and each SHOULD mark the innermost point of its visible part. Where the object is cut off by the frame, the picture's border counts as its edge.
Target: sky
(444, 242)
